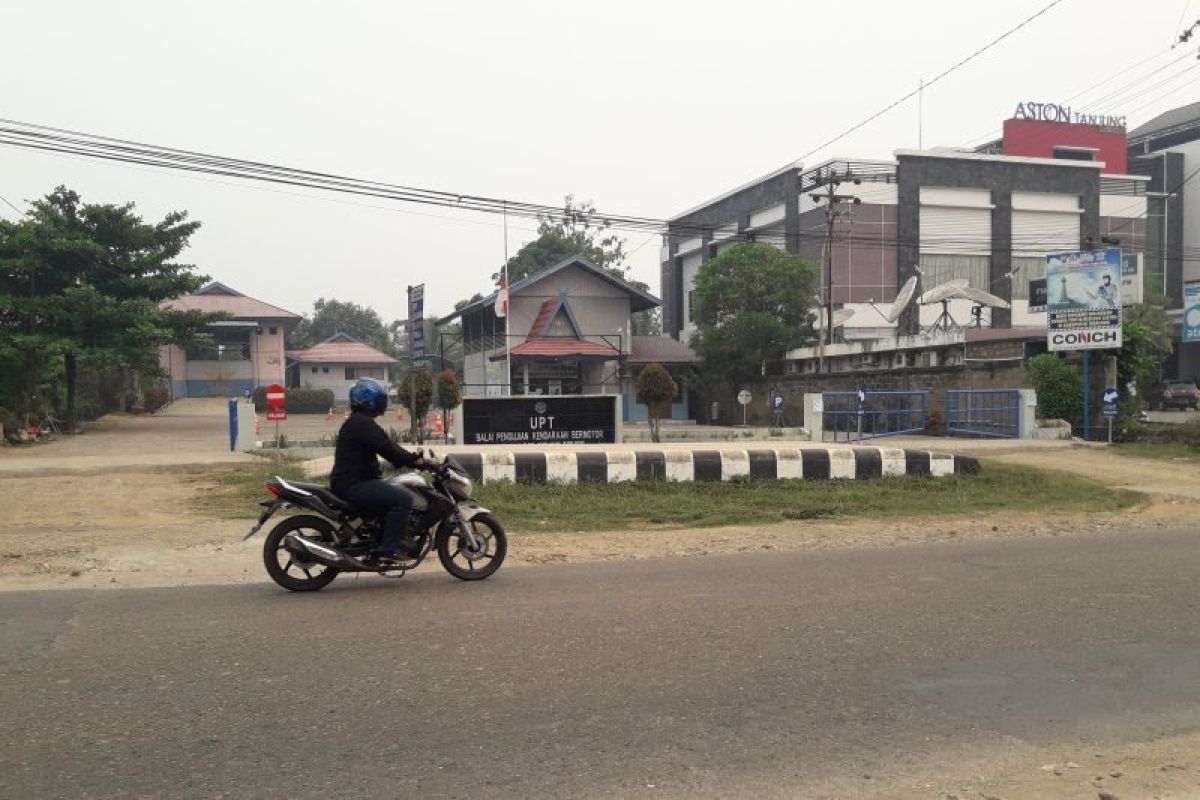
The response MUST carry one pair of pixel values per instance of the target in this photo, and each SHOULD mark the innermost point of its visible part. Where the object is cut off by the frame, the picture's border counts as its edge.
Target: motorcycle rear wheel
(284, 568)
(456, 559)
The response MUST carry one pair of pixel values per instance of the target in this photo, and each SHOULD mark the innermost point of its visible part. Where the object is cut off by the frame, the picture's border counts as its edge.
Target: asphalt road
(765, 674)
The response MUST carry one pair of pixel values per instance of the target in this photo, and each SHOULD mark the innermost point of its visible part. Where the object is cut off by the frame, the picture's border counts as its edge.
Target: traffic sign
(276, 414)
(276, 397)
(744, 397)
(1109, 400)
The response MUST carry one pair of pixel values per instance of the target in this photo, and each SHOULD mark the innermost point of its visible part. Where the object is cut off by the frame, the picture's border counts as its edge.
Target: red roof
(538, 346)
(341, 349)
(543, 316)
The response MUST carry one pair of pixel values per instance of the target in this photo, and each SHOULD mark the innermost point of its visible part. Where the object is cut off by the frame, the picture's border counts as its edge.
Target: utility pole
(834, 210)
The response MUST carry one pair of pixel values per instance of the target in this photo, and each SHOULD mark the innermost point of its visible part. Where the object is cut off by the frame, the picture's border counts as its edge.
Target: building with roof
(245, 350)
(1167, 149)
(336, 364)
(987, 216)
(568, 333)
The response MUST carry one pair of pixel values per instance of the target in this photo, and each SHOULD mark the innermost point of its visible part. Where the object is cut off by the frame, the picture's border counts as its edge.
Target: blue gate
(994, 413)
(865, 415)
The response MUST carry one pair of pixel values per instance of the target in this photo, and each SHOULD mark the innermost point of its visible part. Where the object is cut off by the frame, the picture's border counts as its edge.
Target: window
(349, 373)
(274, 330)
(314, 369)
(325, 370)
(691, 297)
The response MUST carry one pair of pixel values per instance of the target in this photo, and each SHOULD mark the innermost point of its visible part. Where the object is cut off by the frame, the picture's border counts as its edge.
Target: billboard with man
(1083, 300)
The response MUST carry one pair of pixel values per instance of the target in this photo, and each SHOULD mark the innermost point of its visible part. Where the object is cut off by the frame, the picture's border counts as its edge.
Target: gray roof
(1168, 119)
(638, 300)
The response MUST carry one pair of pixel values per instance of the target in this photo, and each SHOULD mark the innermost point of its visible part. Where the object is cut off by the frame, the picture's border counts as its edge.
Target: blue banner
(1191, 311)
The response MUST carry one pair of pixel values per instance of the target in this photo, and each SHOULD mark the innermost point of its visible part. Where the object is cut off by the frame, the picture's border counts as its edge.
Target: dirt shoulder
(136, 526)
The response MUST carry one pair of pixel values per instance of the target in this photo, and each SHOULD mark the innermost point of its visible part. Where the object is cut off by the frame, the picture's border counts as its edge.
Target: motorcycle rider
(356, 475)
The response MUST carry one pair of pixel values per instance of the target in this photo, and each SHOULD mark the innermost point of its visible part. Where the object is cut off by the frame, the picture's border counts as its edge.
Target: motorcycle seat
(327, 497)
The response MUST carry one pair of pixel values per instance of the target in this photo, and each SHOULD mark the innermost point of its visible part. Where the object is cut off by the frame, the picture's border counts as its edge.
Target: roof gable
(341, 348)
(639, 300)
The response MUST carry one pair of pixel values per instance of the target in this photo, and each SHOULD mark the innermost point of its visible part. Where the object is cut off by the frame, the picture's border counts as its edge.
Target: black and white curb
(807, 463)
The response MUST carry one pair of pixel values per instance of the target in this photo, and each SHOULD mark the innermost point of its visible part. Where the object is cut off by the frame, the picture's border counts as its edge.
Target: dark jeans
(380, 497)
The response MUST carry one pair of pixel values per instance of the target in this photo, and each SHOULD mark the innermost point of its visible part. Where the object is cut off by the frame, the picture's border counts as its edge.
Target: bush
(1059, 388)
(1164, 433)
(155, 397)
(299, 400)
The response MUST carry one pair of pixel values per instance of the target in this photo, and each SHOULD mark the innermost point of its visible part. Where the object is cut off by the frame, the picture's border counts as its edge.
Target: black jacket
(360, 443)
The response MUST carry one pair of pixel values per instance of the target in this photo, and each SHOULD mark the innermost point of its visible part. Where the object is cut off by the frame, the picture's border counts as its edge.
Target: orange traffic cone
(329, 416)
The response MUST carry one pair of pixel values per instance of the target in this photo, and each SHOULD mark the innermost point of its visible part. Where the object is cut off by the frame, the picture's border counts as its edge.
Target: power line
(14, 208)
(929, 83)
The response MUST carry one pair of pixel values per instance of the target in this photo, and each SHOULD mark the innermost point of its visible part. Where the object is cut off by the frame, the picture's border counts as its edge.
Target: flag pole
(508, 304)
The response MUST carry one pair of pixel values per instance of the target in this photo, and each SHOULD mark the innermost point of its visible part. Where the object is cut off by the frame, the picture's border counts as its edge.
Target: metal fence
(992, 413)
(865, 415)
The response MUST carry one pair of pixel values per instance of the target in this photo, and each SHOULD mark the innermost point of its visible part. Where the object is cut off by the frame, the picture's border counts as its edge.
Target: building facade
(245, 350)
(987, 217)
(568, 333)
(337, 363)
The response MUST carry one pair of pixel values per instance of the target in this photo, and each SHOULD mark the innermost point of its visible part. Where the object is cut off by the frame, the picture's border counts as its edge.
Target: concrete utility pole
(833, 211)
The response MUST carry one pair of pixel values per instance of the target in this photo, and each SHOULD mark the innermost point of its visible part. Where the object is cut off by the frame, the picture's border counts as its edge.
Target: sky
(645, 108)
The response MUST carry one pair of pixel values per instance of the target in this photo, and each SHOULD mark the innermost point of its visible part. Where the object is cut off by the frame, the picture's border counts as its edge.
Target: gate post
(1027, 421)
(814, 416)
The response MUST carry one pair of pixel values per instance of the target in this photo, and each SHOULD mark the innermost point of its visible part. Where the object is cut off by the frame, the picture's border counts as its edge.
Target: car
(1174, 394)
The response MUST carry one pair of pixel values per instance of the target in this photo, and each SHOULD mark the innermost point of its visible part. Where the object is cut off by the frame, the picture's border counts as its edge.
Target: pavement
(930, 670)
(187, 432)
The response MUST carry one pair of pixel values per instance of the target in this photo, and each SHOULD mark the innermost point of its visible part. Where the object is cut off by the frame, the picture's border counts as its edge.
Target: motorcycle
(305, 552)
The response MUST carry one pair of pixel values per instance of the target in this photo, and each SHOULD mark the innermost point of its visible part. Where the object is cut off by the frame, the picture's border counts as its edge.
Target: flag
(502, 299)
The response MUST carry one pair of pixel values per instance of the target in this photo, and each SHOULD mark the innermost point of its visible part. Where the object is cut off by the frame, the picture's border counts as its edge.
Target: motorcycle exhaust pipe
(320, 553)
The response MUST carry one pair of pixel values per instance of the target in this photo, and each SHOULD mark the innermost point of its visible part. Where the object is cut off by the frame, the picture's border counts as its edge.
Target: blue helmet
(368, 395)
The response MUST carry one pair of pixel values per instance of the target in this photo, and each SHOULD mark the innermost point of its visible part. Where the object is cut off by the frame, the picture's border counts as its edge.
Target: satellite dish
(982, 298)
(903, 298)
(840, 317)
(943, 291)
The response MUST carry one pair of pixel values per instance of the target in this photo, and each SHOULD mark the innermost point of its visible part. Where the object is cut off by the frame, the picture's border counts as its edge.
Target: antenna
(903, 298)
(943, 293)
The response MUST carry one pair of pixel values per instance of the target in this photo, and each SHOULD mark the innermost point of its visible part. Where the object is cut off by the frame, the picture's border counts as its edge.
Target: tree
(337, 316)
(578, 231)
(1058, 386)
(82, 282)
(751, 304)
(415, 391)
(449, 394)
(656, 389)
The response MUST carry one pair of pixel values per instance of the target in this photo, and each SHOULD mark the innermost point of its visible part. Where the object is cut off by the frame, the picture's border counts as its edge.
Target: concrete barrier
(808, 463)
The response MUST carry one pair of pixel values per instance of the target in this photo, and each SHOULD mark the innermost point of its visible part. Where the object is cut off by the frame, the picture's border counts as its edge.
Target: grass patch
(584, 507)
(1170, 451)
(234, 493)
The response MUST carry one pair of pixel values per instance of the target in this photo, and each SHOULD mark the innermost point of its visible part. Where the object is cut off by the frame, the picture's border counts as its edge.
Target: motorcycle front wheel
(290, 570)
(458, 558)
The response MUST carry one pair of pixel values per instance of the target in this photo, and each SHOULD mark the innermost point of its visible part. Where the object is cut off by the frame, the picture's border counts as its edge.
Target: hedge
(299, 401)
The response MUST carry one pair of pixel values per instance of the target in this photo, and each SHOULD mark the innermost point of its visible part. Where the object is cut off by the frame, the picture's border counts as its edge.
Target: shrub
(299, 400)
(1164, 433)
(656, 389)
(155, 397)
(1059, 388)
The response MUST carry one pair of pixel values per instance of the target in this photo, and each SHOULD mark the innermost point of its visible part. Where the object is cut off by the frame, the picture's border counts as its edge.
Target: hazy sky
(641, 107)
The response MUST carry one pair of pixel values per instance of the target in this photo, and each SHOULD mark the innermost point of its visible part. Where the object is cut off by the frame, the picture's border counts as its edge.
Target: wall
(1037, 139)
(335, 377)
(733, 209)
(1003, 178)
(266, 351)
